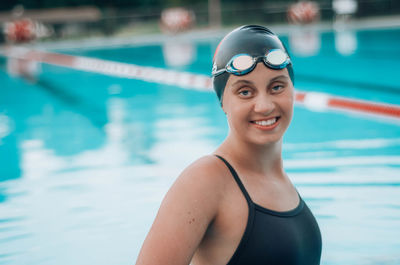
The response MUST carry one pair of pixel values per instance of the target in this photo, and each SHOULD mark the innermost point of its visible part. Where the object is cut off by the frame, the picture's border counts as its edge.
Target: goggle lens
(276, 58)
(242, 62)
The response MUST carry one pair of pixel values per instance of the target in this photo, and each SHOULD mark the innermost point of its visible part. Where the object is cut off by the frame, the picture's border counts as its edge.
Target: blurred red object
(20, 31)
(178, 19)
(303, 12)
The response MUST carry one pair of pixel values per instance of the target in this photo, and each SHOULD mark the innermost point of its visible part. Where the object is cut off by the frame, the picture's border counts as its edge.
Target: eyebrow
(245, 81)
(279, 77)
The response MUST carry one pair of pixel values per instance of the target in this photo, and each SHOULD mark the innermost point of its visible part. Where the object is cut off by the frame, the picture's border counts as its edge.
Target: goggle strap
(219, 72)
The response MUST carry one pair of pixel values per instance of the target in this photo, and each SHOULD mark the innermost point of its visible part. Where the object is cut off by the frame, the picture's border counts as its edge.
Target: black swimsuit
(277, 238)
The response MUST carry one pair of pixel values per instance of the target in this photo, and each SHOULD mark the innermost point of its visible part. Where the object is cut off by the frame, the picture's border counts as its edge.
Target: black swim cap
(250, 39)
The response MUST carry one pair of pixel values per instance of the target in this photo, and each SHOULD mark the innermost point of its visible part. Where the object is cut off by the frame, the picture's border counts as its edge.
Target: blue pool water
(87, 158)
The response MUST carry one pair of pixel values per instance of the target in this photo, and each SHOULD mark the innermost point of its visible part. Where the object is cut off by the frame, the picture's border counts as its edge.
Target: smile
(266, 124)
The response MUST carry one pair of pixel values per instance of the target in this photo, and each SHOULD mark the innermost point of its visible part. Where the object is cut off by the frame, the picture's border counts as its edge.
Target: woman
(237, 206)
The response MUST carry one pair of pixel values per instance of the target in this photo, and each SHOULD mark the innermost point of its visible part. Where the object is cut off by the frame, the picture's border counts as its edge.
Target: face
(259, 105)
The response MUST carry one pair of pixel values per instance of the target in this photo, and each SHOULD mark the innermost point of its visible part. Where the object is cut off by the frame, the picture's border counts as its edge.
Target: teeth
(266, 123)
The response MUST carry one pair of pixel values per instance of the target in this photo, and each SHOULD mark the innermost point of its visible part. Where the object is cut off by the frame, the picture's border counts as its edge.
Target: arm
(184, 216)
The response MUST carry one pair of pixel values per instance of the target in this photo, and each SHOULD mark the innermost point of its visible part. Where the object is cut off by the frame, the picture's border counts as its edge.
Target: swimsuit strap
(237, 179)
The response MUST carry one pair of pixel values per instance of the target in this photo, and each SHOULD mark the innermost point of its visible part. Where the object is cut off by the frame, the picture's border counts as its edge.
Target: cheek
(290, 103)
(291, 112)
(289, 100)
(235, 115)
(287, 104)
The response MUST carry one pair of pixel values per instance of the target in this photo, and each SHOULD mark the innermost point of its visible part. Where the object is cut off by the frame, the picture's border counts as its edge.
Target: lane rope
(313, 100)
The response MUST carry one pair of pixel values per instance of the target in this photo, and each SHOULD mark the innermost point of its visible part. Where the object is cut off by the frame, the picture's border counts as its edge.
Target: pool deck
(207, 33)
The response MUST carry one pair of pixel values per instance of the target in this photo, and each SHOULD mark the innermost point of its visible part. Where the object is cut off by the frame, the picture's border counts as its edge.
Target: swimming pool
(87, 158)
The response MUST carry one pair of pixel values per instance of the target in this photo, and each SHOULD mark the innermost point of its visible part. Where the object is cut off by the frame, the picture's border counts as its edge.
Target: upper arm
(184, 216)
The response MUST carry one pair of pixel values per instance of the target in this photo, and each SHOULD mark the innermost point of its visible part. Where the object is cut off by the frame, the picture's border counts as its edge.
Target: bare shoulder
(203, 179)
(187, 210)
(205, 170)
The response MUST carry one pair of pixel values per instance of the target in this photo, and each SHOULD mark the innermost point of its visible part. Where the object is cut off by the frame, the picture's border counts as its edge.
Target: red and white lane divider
(321, 101)
(312, 100)
(149, 74)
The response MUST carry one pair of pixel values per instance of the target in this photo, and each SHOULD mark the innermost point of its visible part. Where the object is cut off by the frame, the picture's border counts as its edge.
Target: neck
(263, 160)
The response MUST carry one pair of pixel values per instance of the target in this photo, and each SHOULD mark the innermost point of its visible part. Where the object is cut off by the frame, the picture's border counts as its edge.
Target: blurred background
(103, 103)
(72, 18)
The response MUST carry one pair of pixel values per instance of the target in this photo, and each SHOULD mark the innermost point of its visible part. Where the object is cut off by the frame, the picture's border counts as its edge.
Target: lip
(266, 127)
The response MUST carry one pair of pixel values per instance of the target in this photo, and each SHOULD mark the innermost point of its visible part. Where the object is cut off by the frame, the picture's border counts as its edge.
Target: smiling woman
(264, 99)
(245, 211)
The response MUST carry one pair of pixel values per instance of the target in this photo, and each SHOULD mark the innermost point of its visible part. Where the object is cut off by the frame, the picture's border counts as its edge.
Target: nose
(264, 104)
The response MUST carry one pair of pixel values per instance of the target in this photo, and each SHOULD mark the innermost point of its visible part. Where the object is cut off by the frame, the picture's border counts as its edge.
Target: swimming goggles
(243, 63)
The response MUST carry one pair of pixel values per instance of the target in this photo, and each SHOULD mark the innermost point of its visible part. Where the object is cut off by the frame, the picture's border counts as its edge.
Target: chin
(266, 141)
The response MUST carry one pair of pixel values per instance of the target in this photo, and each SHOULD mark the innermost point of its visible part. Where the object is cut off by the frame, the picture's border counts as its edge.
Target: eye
(245, 93)
(277, 88)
